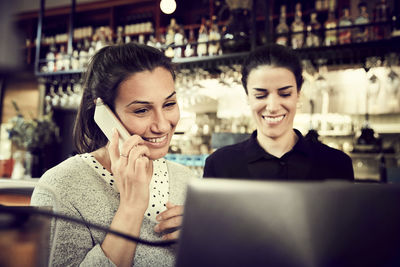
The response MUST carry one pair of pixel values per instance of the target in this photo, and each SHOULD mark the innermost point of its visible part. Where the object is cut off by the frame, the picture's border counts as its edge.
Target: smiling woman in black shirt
(272, 79)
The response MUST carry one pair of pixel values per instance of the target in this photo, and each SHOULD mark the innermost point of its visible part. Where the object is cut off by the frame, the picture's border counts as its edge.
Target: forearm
(119, 250)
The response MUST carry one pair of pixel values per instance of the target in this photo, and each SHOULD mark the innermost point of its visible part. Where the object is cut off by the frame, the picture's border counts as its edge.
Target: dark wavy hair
(276, 56)
(108, 68)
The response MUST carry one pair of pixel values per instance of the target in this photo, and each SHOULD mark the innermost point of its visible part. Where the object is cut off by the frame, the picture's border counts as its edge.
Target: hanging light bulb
(168, 6)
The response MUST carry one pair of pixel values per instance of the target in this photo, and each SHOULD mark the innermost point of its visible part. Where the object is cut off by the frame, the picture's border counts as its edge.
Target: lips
(273, 119)
(155, 140)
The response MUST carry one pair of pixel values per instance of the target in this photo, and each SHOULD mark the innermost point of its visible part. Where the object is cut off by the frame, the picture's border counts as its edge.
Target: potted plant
(32, 135)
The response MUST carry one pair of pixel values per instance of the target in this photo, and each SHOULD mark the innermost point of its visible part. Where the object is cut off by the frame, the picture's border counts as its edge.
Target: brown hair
(108, 68)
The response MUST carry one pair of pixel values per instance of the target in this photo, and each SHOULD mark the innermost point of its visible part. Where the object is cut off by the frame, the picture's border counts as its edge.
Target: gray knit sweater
(83, 193)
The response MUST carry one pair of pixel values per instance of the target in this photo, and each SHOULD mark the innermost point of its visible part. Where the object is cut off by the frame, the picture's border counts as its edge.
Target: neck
(278, 146)
(103, 157)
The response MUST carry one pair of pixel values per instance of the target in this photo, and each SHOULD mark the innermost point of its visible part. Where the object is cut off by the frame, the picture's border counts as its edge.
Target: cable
(12, 185)
(23, 184)
(30, 185)
(23, 210)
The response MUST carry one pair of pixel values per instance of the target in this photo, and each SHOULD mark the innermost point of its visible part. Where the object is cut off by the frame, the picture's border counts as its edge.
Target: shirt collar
(253, 150)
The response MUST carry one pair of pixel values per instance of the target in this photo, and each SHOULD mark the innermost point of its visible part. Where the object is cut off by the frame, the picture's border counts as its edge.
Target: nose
(160, 123)
(272, 103)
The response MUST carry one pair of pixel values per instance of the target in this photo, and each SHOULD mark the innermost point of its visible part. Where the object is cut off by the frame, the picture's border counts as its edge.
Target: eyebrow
(147, 102)
(279, 89)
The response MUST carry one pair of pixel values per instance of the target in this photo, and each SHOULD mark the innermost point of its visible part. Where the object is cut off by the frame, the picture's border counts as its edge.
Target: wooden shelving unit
(122, 12)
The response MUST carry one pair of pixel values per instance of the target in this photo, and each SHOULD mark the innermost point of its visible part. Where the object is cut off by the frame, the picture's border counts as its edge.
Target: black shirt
(306, 161)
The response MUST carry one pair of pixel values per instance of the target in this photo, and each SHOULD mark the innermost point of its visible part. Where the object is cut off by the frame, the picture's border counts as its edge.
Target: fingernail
(158, 218)
(164, 237)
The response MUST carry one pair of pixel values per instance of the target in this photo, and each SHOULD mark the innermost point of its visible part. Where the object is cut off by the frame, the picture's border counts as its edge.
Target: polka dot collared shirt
(158, 189)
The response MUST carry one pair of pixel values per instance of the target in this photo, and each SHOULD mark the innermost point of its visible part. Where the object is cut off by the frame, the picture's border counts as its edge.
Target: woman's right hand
(131, 169)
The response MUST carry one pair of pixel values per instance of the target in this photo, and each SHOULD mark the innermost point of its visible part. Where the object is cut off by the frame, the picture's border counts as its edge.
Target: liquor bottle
(170, 33)
(344, 21)
(51, 58)
(141, 39)
(67, 60)
(381, 18)
(92, 47)
(152, 41)
(214, 36)
(282, 29)
(75, 56)
(318, 5)
(83, 53)
(189, 50)
(325, 4)
(297, 28)
(179, 40)
(330, 29)
(202, 39)
(361, 33)
(60, 55)
(120, 39)
(313, 31)
(101, 38)
(395, 25)
(332, 5)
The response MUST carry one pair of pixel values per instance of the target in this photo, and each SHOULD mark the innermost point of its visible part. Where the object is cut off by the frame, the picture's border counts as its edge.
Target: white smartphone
(106, 120)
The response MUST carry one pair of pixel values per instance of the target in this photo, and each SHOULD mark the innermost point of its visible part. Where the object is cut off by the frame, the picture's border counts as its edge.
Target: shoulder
(233, 151)
(178, 170)
(325, 152)
(73, 174)
(66, 169)
(333, 163)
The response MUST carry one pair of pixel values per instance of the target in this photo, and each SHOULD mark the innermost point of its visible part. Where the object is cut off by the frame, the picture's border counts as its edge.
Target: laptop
(268, 223)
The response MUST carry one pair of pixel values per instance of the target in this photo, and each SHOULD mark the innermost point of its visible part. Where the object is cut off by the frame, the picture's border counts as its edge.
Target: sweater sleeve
(74, 244)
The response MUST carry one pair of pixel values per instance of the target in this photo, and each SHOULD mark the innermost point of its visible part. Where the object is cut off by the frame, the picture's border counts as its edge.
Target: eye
(286, 94)
(140, 111)
(262, 96)
(170, 104)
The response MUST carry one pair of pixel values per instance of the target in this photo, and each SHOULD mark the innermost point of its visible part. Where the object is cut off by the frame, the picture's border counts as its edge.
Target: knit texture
(84, 194)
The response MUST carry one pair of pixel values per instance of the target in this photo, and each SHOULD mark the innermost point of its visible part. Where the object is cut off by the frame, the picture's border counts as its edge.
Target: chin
(157, 154)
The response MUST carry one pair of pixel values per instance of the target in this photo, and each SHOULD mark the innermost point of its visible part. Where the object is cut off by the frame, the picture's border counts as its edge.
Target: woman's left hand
(169, 219)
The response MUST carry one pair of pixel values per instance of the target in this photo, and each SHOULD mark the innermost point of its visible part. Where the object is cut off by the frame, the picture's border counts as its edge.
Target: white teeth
(273, 119)
(155, 140)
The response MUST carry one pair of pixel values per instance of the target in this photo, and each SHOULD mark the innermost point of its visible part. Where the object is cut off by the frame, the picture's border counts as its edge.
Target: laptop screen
(263, 223)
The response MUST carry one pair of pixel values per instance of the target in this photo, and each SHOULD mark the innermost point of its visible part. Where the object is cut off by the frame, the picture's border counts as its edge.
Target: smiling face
(273, 97)
(147, 106)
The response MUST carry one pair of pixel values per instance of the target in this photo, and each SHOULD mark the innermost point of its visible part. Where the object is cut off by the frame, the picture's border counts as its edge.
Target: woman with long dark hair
(133, 190)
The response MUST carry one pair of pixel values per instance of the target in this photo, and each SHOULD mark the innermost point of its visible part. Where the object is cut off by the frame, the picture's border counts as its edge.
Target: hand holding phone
(106, 120)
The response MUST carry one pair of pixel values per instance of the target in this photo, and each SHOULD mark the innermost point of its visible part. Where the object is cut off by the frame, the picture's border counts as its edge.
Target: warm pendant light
(168, 6)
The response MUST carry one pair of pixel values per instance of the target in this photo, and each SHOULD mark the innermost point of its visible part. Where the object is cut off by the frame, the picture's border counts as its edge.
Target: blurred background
(350, 51)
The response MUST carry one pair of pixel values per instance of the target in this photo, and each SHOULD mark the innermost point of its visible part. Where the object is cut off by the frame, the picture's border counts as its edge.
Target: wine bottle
(282, 29)
(361, 33)
(297, 28)
(313, 31)
(330, 29)
(381, 19)
(344, 21)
